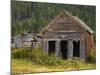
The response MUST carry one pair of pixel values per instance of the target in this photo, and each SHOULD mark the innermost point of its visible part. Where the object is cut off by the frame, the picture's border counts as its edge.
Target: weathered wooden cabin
(67, 36)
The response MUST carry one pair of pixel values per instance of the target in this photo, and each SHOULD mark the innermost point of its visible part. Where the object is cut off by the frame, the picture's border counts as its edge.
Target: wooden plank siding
(89, 43)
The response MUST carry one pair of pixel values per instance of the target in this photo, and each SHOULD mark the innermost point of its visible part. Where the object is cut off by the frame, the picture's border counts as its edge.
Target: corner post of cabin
(57, 52)
(82, 48)
(70, 49)
(45, 45)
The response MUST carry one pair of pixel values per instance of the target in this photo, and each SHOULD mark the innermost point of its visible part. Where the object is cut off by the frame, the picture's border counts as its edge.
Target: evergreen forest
(33, 16)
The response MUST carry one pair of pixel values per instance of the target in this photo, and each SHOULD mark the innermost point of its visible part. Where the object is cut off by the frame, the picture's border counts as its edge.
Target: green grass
(27, 60)
(27, 66)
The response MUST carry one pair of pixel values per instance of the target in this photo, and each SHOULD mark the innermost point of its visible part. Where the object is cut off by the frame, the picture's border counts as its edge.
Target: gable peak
(64, 13)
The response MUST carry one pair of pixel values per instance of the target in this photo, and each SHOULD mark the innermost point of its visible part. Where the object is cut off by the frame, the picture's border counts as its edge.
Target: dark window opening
(76, 48)
(51, 47)
(64, 49)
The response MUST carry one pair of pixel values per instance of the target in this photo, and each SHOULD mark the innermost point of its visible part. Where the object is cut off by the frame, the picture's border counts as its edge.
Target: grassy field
(33, 61)
(27, 66)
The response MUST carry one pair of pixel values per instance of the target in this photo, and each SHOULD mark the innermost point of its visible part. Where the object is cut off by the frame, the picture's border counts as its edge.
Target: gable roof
(76, 19)
(83, 24)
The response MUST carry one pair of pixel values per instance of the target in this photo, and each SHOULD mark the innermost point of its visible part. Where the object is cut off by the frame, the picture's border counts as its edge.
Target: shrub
(52, 60)
(38, 55)
(21, 53)
(92, 56)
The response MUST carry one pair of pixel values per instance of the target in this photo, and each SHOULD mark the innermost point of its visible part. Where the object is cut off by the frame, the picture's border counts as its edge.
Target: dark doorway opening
(76, 48)
(51, 47)
(64, 49)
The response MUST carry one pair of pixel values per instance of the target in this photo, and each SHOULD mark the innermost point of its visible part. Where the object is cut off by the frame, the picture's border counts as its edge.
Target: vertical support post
(57, 52)
(82, 48)
(45, 45)
(70, 49)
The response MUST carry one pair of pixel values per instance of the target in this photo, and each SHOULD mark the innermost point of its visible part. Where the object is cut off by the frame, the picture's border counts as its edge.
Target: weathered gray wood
(82, 48)
(57, 52)
(59, 35)
(45, 46)
(70, 49)
(18, 42)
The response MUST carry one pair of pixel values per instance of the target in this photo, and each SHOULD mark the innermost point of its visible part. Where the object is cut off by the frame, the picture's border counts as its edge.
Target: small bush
(92, 56)
(38, 55)
(52, 60)
(21, 53)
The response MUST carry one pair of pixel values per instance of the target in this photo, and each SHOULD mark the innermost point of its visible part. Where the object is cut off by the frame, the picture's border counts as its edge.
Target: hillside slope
(33, 16)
